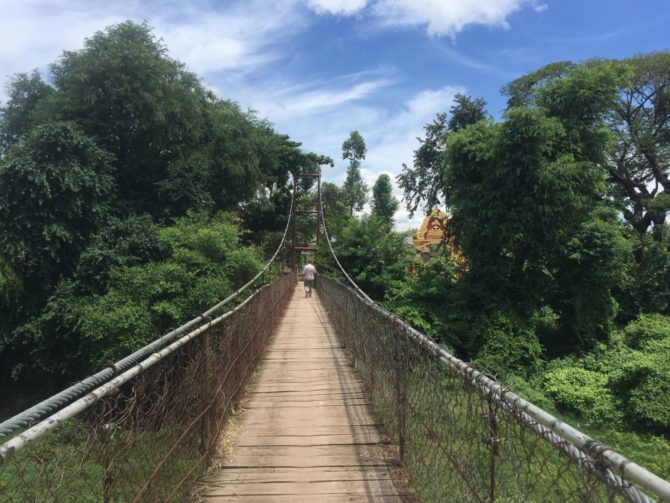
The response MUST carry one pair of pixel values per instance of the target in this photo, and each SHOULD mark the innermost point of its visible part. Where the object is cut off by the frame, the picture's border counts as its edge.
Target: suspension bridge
(271, 396)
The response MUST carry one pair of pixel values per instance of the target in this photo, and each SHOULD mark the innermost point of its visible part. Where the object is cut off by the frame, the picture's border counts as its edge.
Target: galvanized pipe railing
(429, 398)
(48, 406)
(148, 433)
(388, 350)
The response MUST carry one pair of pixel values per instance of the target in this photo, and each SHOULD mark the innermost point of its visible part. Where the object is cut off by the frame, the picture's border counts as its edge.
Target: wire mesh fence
(462, 436)
(148, 434)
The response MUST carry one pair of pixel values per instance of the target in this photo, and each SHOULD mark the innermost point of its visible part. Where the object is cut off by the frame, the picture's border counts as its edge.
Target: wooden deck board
(307, 433)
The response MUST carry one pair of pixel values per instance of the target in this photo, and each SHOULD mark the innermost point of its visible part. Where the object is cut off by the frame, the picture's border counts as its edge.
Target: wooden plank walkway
(306, 430)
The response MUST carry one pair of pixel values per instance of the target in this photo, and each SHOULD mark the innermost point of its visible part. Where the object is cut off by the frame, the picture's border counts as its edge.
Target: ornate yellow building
(431, 232)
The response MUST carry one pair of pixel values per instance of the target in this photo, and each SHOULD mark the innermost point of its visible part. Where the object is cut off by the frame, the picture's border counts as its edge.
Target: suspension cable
(48, 406)
(332, 252)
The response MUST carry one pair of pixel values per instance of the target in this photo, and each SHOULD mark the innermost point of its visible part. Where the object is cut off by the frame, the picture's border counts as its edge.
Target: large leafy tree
(17, 117)
(638, 119)
(141, 106)
(54, 190)
(354, 189)
(384, 204)
(423, 183)
(527, 201)
(639, 157)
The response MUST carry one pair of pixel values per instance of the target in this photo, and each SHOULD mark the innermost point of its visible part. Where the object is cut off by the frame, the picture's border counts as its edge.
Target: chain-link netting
(149, 438)
(460, 437)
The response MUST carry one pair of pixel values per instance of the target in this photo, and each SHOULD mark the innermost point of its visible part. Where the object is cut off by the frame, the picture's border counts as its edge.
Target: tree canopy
(384, 204)
(423, 183)
(354, 189)
(94, 168)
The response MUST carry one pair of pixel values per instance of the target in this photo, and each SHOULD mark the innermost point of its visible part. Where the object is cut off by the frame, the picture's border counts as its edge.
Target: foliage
(10, 284)
(384, 204)
(54, 189)
(627, 377)
(129, 242)
(424, 183)
(544, 158)
(639, 155)
(354, 149)
(335, 210)
(426, 297)
(583, 392)
(510, 347)
(375, 258)
(25, 91)
(93, 167)
(138, 104)
(638, 120)
(354, 189)
(202, 262)
(646, 329)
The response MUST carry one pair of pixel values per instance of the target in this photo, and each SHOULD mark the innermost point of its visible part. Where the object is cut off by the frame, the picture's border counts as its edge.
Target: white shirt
(309, 271)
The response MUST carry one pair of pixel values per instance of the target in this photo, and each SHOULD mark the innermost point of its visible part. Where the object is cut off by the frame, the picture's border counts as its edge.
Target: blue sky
(319, 69)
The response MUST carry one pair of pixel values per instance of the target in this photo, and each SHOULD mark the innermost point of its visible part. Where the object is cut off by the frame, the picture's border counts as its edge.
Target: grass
(450, 453)
(76, 463)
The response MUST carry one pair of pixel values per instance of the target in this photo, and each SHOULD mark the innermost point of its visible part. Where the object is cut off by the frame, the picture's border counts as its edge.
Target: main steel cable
(546, 424)
(332, 252)
(46, 407)
(13, 445)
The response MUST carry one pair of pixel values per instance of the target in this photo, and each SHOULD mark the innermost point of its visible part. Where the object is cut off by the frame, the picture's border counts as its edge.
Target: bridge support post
(493, 427)
(294, 236)
(205, 427)
(401, 389)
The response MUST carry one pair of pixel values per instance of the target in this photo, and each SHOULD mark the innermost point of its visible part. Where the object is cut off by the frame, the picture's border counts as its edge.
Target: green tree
(335, 211)
(465, 111)
(25, 91)
(530, 188)
(354, 149)
(80, 331)
(638, 119)
(142, 107)
(424, 184)
(375, 258)
(54, 192)
(384, 204)
(638, 160)
(354, 189)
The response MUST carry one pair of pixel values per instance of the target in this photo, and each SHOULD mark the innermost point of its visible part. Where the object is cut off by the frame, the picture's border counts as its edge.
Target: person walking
(308, 274)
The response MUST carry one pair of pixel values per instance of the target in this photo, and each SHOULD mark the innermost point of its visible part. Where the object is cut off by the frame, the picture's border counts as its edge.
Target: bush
(509, 347)
(584, 393)
(644, 383)
(647, 328)
(200, 263)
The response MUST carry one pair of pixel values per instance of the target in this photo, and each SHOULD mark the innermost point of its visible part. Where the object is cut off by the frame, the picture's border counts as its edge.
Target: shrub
(509, 347)
(584, 393)
(646, 328)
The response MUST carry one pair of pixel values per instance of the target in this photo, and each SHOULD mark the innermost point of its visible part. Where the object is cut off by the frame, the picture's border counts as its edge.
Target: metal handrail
(564, 432)
(37, 412)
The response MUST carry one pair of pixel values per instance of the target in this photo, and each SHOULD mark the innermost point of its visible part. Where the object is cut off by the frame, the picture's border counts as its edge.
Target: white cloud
(446, 17)
(342, 7)
(440, 17)
(314, 101)
(239, 36)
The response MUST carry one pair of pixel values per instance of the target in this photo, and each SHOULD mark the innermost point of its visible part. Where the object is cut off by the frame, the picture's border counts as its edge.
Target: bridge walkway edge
(306, 431)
